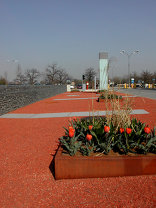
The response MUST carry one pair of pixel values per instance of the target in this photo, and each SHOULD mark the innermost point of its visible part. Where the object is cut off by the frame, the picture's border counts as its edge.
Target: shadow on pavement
(52, 164)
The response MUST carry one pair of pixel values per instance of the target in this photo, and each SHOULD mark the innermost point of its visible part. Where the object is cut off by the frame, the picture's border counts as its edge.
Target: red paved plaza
(26, 152)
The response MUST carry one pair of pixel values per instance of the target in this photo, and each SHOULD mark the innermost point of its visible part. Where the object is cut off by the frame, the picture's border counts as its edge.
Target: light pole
(129, 55)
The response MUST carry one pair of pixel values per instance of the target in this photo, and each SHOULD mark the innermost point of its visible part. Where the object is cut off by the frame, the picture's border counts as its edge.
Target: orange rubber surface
(26, 149)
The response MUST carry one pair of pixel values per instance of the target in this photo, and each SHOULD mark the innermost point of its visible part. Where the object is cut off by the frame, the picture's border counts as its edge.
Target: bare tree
(51, 73)
(146, 76)
(32, 75)
(62, 76)
(135, 76)
(90, 74)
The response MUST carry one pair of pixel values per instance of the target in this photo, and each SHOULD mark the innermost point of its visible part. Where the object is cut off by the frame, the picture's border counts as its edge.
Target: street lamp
(129, 55)
(13, 60)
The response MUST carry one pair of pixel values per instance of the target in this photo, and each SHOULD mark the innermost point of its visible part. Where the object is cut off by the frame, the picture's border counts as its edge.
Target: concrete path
(90, 98)
(68, 114)
(148, 93)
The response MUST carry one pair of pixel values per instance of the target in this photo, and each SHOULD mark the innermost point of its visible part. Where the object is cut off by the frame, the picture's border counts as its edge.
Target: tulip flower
(128, 130)
(106, 129)
(71, 132)
(147, 130)
(121, 130)
(89, 137)
(90, 127)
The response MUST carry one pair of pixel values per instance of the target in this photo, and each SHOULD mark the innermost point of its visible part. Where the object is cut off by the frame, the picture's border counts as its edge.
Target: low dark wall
(13, 97)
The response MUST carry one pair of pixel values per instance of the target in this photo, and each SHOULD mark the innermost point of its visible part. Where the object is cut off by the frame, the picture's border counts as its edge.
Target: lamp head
(137, 51)
(13, 60)
(122, 52)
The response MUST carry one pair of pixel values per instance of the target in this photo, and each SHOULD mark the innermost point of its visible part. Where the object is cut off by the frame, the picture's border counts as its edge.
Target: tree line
(145, 77)
(53, 74)
(142, 78)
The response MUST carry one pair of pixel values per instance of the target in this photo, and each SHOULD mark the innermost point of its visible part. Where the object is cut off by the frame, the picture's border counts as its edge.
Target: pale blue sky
(73, 32)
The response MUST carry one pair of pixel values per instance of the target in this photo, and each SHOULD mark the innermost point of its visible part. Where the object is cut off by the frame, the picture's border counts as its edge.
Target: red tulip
(89, 137)
(70, 127)
(71, 132)
(147, 130)
(128, 130)
(90, 127)
(121, 130)
(106, 129)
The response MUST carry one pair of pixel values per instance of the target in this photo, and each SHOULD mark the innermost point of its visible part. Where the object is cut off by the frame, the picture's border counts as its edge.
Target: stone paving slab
(88, 98)
(76, 98)
(68, 114)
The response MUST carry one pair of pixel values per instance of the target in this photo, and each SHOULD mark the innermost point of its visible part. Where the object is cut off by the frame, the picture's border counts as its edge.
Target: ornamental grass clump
(118, 113)
(93, 135)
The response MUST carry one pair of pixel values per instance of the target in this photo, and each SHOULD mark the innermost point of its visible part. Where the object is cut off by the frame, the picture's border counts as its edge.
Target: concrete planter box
(72, 167)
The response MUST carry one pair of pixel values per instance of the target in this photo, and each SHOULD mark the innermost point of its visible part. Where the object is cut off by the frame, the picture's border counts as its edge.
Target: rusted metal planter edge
(74, 167)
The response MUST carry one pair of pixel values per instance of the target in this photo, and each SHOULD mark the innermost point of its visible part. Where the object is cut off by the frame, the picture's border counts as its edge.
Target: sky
(71, 33)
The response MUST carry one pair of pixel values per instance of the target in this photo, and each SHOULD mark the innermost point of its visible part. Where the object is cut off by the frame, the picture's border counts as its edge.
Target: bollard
(87, 85)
